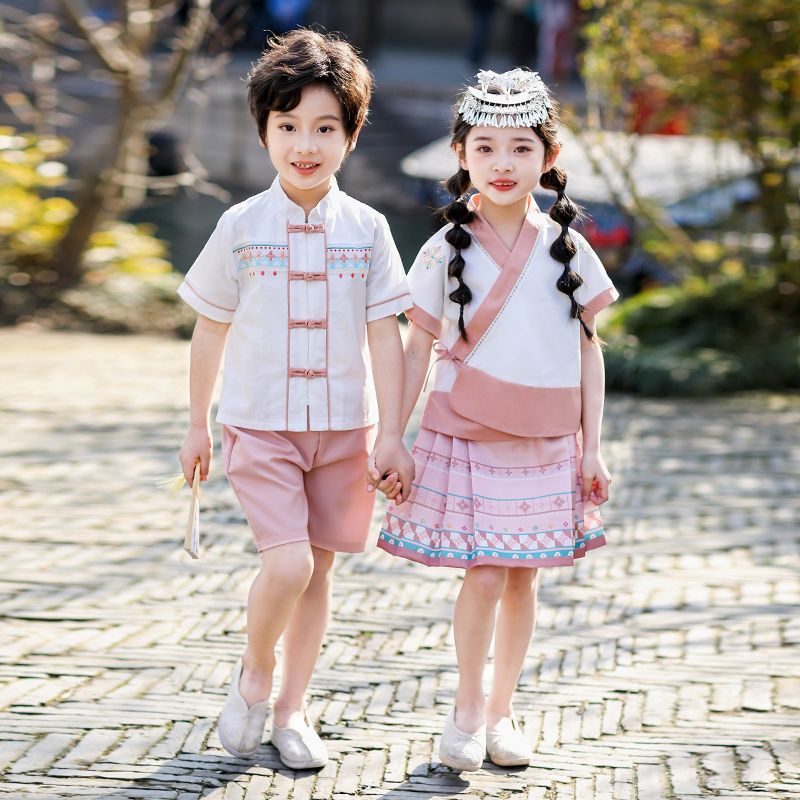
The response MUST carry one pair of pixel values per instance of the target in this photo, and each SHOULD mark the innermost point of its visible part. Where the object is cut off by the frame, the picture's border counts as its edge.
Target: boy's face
(308, 144)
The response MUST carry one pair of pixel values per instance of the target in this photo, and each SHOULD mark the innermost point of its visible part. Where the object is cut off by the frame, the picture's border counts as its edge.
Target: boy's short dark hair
(302, 57)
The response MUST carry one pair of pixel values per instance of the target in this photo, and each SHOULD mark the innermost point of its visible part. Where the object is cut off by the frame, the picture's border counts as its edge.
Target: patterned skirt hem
(559, 557)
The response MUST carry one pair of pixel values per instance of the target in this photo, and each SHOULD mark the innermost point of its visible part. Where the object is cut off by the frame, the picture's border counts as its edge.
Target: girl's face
(308, 144)
(504, 164)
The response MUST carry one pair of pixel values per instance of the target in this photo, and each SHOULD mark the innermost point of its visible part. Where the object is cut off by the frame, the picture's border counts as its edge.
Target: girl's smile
(503, 185)
(504, 164)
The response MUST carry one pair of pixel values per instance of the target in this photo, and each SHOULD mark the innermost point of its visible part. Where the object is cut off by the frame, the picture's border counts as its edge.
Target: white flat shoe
(300, 746)
(507, 745)
(240, 727)
(462, 751)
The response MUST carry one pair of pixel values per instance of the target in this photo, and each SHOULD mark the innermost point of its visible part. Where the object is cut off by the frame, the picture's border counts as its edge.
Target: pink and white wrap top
(521, 365)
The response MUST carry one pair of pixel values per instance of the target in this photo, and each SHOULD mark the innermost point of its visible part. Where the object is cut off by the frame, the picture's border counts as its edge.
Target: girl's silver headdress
(514, 99)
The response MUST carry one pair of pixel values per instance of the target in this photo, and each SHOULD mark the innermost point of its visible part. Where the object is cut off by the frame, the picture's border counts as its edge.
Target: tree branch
(112, 54)
(186, 45)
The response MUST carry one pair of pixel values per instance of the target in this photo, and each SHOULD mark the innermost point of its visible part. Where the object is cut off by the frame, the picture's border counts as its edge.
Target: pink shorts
(302, 486)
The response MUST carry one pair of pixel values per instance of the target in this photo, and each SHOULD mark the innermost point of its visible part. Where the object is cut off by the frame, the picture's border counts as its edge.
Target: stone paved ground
(664, 666)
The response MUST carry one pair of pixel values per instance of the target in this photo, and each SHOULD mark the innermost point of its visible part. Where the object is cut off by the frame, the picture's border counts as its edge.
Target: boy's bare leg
(283, 578)
(303, 639)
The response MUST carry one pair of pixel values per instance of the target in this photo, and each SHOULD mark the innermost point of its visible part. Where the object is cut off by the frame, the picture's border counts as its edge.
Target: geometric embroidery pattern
(482, 503)
(269, 260)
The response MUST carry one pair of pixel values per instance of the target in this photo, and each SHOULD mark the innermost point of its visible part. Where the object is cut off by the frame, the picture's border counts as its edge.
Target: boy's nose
(305, 146)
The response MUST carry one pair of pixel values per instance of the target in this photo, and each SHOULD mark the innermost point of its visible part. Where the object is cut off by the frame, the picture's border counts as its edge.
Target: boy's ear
(354, 139)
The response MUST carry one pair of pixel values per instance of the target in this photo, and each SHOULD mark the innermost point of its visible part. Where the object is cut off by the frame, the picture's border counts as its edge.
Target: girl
(508, 467)
(299, 279)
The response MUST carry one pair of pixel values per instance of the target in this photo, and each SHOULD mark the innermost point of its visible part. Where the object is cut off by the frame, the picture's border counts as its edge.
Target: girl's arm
(389, 453)
(208, 345)
(417, 356)
(594, 473)
(417, 360)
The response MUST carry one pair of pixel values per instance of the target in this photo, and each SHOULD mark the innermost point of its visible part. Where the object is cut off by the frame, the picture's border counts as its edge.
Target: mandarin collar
(321, 213)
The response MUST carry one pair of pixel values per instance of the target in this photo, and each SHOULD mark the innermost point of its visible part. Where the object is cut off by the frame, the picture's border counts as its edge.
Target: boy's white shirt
(242, 277)
(533, 341)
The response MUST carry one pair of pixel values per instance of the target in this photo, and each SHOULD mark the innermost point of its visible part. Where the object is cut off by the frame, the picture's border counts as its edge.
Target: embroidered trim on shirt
(272, 259)
(349, 259)
(256, 257)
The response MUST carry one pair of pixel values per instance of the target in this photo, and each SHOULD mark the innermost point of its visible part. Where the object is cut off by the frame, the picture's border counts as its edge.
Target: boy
(298, 280)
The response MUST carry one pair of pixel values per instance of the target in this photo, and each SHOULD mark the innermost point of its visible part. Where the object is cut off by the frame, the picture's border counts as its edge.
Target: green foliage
(128, 282)
(735, 64)
(706, 337)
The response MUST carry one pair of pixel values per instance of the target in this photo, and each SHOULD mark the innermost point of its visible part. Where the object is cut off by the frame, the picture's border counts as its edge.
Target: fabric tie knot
(307, 276)
(308, 323)
(443, 354)
(306, 228)
(308, 373)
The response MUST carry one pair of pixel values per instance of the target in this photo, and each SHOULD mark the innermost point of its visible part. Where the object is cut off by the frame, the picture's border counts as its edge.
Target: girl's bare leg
(473, 624)
(514, 630)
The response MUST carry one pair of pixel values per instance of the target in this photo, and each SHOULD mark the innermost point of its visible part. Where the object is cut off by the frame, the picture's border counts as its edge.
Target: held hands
(196, 447)
(595, 477)
(391, 460)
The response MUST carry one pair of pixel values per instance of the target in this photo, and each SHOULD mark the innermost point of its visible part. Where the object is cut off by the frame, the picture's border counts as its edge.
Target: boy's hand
(595, 477)
(196, 447)
(390, 468)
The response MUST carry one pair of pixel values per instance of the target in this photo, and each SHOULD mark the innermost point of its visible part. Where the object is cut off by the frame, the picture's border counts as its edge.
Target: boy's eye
(325, 128)
(287, 126)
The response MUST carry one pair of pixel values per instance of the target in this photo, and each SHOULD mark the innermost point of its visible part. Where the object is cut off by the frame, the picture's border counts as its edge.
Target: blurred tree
(727, 68)
(149, 50)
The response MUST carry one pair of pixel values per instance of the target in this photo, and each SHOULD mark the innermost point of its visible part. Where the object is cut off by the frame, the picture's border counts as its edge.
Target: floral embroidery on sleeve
(432, 257)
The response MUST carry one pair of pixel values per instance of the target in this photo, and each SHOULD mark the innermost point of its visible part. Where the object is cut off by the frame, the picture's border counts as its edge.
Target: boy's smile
(308, 144)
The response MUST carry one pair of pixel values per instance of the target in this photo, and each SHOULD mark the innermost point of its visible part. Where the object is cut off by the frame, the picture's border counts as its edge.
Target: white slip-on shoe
(464, 752)
(300, 746)
(240, 727)
(507, 745)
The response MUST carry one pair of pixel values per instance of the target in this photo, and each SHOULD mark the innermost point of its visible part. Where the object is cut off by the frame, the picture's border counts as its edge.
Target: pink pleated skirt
(512, 504)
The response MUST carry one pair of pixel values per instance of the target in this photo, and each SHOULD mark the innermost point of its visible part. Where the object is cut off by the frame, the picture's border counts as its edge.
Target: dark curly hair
(302, 57)
(564, 211)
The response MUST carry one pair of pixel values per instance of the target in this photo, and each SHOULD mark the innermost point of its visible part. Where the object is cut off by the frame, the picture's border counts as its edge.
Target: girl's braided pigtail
(459, 214)
(563, 248)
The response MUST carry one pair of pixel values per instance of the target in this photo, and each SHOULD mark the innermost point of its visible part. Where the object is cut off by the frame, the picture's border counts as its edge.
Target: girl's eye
(484, 148)
(523, 149)
(325, 129)
(287, 126)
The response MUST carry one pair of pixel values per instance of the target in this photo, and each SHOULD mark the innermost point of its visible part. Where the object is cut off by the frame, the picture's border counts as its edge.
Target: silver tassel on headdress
(514, 99)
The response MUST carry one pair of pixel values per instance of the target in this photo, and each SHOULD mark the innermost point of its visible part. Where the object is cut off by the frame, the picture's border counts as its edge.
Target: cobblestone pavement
(664, 666)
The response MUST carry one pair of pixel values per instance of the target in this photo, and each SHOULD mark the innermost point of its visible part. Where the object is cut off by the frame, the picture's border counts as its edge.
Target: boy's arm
(386, 354)
(208, 345)
(594, 473)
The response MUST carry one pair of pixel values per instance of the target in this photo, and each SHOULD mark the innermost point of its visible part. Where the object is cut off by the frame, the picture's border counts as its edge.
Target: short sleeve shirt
(298, 294)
